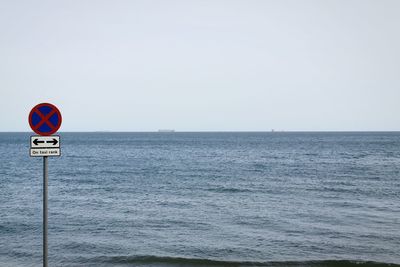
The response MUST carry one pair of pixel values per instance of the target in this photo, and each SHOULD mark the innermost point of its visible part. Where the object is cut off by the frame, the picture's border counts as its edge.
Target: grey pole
(45, 195)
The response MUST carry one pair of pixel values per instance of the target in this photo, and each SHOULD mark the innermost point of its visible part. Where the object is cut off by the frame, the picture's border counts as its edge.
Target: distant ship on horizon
(166, 130)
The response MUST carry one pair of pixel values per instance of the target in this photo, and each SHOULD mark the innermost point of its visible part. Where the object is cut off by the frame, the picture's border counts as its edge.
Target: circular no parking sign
(45, 119)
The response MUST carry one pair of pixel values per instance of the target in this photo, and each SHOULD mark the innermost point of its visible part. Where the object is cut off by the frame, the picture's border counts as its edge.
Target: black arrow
(54, 142)
(36, 142)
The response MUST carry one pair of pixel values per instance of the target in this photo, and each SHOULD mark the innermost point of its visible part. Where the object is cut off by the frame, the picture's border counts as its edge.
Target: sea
(204, 199)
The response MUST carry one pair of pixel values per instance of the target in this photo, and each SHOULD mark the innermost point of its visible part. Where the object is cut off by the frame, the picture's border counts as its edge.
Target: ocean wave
(178, 261)
(229, 190)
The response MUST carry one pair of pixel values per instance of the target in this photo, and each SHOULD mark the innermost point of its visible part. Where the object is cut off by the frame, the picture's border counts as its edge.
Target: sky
(205, 65)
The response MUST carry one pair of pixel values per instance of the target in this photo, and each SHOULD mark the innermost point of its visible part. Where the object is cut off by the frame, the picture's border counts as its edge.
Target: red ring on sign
(45, 119)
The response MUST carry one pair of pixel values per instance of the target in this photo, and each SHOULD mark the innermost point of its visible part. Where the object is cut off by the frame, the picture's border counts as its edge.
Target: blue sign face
(45, 119)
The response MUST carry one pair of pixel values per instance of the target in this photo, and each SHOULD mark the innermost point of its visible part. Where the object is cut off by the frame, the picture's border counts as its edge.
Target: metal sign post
(45, 197)
(45, 119)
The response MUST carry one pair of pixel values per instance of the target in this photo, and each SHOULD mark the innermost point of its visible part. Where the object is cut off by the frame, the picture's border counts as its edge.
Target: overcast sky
(202, 65)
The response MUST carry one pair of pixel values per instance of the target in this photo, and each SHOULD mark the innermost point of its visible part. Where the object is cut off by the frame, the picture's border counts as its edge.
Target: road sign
(45, 152)
(42, 146)
(45, 119)
(45, 141)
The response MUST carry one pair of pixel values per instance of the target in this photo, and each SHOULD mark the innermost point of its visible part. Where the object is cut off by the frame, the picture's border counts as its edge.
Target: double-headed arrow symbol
(54, 142)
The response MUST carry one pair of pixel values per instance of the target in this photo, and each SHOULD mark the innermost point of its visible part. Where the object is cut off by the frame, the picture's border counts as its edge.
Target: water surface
(204, 199)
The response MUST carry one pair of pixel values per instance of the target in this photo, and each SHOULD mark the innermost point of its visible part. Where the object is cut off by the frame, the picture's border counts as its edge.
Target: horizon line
(223, 131)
